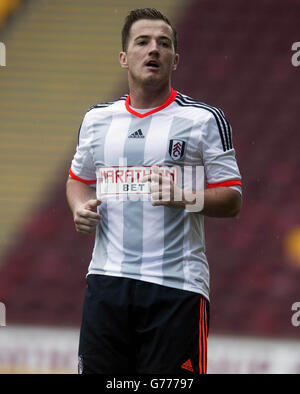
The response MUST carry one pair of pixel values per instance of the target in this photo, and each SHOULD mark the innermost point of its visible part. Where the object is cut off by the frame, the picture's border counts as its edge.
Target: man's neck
(148, 97)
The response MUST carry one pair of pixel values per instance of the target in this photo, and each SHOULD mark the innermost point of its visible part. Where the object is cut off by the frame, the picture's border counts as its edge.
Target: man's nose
(153, 48)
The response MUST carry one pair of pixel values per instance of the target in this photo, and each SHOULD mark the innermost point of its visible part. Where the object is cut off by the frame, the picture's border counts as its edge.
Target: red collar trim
(169, 101)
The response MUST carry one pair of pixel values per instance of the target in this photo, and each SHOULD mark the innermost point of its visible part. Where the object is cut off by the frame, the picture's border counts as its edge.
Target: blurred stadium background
(61, 58)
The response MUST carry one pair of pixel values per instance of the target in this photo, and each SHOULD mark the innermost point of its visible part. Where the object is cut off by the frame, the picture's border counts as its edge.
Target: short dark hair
(144, 13)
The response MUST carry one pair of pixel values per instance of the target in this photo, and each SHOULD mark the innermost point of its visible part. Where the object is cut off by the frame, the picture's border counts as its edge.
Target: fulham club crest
(176, 149)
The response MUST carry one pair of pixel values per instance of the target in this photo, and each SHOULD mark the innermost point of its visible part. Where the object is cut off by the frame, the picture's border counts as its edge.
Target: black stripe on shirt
(103, 105)
(222, 123)
(108, 103)
(220, 113)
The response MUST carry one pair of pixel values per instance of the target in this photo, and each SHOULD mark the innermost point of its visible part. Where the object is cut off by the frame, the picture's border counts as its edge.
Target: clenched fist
(86, 217)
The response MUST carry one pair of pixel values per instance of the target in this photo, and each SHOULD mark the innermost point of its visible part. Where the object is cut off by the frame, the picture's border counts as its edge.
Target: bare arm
(221, 202)
(217, 202)
(83, 204)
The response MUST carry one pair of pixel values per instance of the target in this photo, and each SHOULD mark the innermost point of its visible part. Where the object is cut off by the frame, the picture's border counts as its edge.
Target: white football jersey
(117, 145)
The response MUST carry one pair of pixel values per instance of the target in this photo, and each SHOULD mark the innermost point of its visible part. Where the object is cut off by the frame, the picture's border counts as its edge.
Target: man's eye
(166, 44)
(142, 43)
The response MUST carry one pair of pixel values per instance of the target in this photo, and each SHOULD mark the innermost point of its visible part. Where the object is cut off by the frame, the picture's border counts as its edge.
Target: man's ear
(176, 61)
(123, 60)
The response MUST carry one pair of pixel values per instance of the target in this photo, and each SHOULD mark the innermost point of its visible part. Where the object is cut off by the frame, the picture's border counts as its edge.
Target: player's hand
(86, 217)
(163, 190)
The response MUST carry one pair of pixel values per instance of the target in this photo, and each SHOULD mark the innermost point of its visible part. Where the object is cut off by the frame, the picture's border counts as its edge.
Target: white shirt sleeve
(82, 167)
(218, 154)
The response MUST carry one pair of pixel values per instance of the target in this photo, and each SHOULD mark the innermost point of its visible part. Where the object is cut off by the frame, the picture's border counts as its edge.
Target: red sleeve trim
(72, 175)
(226, 184)
(169, 101)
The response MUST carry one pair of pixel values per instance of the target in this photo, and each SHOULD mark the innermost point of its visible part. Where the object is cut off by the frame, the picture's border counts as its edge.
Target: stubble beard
(148, 81)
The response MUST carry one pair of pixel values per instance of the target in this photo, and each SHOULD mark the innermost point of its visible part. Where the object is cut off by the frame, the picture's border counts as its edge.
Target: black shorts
(136, 327)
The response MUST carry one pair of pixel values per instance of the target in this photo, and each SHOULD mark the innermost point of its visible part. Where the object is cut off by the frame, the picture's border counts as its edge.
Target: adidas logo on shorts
(188, 366)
